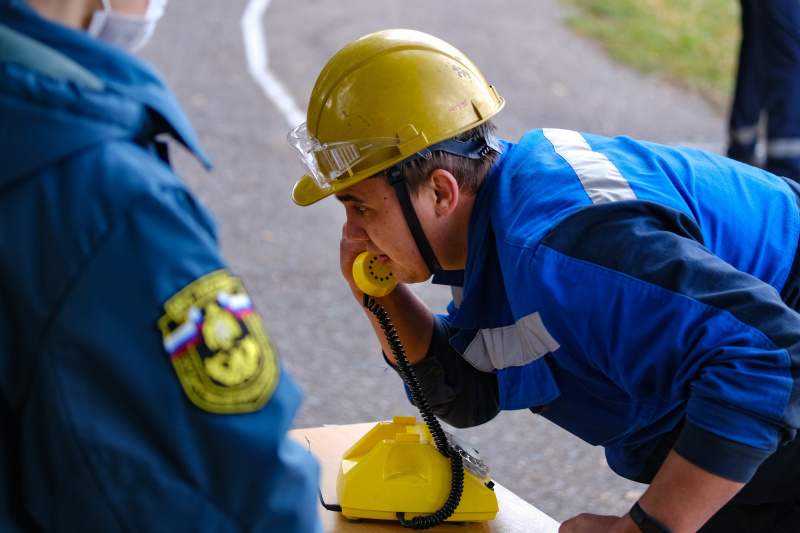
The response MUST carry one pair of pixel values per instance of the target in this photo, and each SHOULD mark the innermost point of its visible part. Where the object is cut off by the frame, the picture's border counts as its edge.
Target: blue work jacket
(103, 426)
(623, 288)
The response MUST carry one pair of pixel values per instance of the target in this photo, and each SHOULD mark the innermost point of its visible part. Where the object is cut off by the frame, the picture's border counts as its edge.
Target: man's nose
(354, 231)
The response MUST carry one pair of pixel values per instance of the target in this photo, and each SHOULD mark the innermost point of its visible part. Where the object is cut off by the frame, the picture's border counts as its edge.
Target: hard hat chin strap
(474, 148)
(398, 180)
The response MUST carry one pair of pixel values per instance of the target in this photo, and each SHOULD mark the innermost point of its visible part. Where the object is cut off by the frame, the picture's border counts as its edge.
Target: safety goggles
(326, 162)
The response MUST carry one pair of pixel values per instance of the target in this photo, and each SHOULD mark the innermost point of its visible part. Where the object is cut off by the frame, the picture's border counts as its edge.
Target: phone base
(396, 468)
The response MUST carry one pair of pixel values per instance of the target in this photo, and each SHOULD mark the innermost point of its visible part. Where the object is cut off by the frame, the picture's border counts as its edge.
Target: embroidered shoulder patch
(218, 346)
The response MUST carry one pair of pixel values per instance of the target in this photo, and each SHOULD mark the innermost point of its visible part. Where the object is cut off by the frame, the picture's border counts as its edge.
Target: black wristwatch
(645, 522)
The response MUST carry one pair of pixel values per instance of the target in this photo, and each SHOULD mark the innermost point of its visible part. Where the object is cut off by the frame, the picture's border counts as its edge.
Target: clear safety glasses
(326, 162)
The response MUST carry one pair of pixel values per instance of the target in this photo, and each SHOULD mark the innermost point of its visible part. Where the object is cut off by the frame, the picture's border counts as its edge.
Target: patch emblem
(218, 345)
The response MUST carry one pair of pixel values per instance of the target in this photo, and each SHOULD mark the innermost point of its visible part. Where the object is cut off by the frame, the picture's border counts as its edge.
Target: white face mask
(128, 32)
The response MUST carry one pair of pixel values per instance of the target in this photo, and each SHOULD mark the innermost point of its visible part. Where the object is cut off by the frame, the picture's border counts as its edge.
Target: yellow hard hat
(381, 99)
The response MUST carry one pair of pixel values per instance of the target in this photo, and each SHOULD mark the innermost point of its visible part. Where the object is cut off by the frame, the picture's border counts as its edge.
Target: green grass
(692, 43)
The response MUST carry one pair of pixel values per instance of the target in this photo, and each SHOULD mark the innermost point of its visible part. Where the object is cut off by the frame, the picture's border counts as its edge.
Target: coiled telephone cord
(456, 462)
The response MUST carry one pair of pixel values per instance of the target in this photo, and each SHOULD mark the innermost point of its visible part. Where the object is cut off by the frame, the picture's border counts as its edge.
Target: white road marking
(255, 45)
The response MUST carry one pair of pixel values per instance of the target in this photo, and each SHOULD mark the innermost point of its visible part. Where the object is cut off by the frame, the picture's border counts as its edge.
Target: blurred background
(658, 70)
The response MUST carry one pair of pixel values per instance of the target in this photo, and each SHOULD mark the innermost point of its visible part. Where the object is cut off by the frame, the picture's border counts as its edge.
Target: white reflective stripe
(492, 345)
(744, 135)
(458, 295)
(515, 345)
(601, 180)
(535, 337)
(784, 148)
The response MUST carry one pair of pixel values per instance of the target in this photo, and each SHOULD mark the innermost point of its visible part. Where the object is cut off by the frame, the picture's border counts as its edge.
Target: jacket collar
(481, 302)
(120, 72)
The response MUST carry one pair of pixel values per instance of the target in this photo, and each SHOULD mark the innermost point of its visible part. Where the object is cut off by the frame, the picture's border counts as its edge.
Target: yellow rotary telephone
(414, 472)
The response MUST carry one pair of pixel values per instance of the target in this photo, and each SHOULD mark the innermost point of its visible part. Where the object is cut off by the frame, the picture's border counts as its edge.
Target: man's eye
(358, 208)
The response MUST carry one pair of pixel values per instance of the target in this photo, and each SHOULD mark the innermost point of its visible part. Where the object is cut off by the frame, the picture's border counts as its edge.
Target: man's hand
(592, 523)
(411, 317)
(348, 251)
(682, 497)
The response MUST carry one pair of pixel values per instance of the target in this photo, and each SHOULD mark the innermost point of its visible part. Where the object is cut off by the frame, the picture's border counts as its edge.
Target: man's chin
(411, 278)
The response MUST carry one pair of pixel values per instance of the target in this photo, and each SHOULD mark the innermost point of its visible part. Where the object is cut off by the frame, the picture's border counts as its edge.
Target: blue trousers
(765, 518)
(768, 82)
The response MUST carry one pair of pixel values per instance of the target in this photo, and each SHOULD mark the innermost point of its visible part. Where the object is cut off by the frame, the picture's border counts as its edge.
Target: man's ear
(445, 188)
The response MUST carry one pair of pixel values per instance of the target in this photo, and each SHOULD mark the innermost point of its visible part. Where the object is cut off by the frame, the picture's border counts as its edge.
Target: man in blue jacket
(139, 390)
(642, 297)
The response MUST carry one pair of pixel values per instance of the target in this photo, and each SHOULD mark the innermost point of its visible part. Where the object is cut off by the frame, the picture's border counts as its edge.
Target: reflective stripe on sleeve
(516, 345)
(601, 180)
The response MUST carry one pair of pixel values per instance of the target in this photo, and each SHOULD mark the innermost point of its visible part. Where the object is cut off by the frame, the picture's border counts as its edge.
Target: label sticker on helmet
(218, 346)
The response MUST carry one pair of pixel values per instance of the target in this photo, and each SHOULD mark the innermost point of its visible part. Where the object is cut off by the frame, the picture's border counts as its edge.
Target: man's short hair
(469, 173)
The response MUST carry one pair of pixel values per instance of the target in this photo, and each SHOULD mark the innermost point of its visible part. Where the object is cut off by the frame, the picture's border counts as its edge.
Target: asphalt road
(288, 256)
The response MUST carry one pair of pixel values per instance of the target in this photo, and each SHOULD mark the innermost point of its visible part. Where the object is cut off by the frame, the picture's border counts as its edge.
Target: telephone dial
(413, 472)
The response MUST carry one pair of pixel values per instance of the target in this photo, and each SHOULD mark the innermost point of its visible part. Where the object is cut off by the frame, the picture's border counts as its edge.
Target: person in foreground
(139, 390)
(640, 296)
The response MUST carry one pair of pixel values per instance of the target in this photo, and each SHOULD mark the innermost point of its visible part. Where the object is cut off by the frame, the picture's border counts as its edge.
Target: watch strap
(645, 522)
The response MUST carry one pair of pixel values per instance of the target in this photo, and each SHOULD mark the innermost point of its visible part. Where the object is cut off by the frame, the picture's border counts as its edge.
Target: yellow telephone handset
(373, 277)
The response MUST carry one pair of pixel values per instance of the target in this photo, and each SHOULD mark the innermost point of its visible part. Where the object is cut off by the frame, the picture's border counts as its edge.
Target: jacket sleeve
(631, 287)
(113, 442)
(458, 393)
